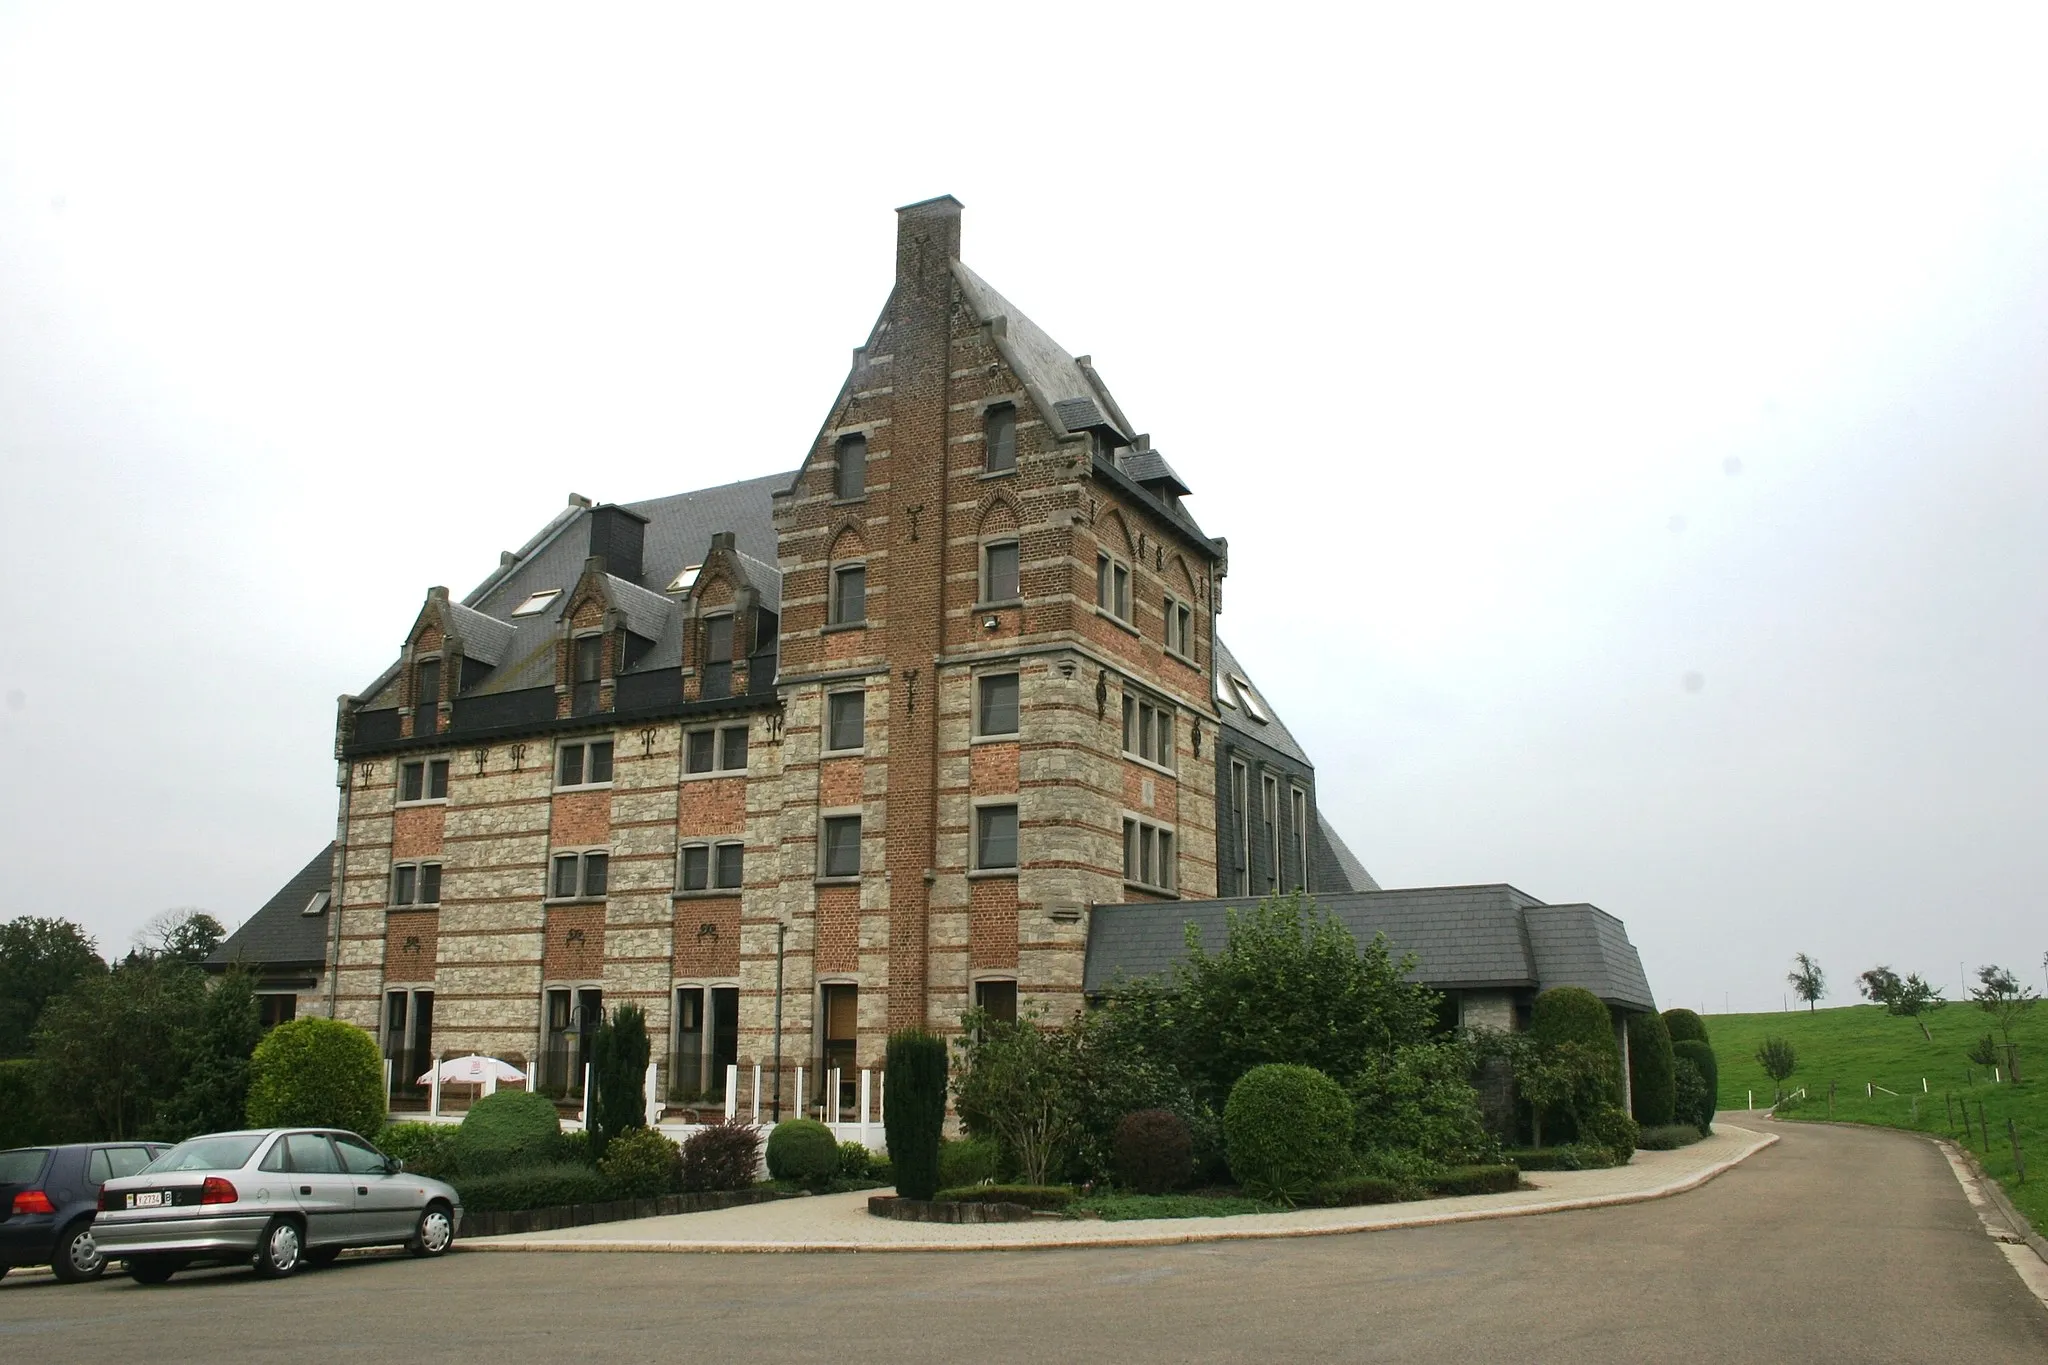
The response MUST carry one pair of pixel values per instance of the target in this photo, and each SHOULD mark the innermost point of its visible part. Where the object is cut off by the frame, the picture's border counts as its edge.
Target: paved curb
(1691, 1181)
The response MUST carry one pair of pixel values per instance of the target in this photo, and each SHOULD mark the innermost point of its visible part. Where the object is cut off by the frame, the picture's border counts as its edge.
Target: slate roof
(282, 933)
(1336, 867)
(1464, 937)
(1272, 732)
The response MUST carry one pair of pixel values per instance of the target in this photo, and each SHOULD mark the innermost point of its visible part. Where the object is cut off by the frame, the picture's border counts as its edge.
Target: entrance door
(840, 1007)
(725, 1033)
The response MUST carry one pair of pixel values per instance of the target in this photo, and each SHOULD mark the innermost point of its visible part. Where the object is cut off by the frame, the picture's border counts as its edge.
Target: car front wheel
(435, 1232)
(281, 1249)
(77, 1258)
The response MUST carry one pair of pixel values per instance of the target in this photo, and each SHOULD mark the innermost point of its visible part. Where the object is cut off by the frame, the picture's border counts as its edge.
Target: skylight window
(1223, 695)
(687, 579)
(538, 603)
(1253, 706)
(317, 905)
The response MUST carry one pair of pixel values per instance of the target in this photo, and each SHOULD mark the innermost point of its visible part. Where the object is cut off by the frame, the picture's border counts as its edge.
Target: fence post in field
(1984, 1127)
(1948, 1103)
(1831, 1099)
(2019, 1158)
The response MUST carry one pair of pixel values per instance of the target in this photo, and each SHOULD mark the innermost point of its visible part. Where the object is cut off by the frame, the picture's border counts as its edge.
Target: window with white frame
(845, 720)
(1149, 855)
(579, 875)
(995, 838)
(711, 866)
(715, 749)
(423, 779)
(839, 846)
(415, 884)
(537, 603)
(583, 763)
(995, 711)
(849, 606)
(1241, 823)
(1112, 586)
(1298, 804)
(1180, 627)
(1269, 807)
(1148, 729)
(1000, 581)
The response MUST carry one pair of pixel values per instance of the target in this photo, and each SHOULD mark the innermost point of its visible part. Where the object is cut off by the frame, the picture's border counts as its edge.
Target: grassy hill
(1861, 1045)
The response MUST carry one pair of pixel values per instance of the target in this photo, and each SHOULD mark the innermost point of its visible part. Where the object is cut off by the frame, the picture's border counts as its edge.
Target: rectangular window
(995, 837)
(686, 1079)
(717, 657)
(850, 595)
(729, 867)
(998, 999)
(999, 580)
(695, 874)
(1001, 432)
(998, 711)
(1269, 807)
(1180, 627)
(707, 867)
(412, 781)
(853, 468)
(1298, 804)
(426, 697)
(1148, 730)
(437, 779)
(587, 659)
(272, 1010)
(845, 720)
(580, 875)
(583, 763)
(404, 881)
(839, 1015)
(416, 884)
(1112, 587)
(700, 750)
(1241, 824)
(722, 750)
(1149, 855)
(732, 748)
(842, 846)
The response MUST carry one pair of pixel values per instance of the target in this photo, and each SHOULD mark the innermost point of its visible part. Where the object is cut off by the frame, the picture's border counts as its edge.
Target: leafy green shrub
(642, 1163)
(881, 1170)
(1685, 1027)
(1286, 1127)
(618, 1057)
(508, 1129)
(317, 1073)
(1463, 1180)
(1650, 1064)
(428, 1148)
(1691, 1103)
(1109, 1075)
(1351, 1190)
(214, 1094)
(1155, 1152)
(1609, 1128)
(574, 1145)
(915, 1079)
(802, 1150)
(1701, 1055)
(855, 1160)
(1668, 1137)
(1572, 1156)
(1049, 1197)
(1573, 1014)
(721, 1156)
(965, 1161)
(21, 1105)
(1411, 1170)
(535, 1187)
(1420, 1098)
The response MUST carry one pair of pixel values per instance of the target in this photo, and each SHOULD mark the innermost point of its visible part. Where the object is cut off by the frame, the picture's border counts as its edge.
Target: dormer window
(426, 697)
(717, 657)
(851, 478)
(586, 655)
(538, 603)
(687, 579)
(1000, 431)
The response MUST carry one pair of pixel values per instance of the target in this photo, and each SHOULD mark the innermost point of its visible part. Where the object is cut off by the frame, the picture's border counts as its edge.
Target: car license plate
(148, 1199)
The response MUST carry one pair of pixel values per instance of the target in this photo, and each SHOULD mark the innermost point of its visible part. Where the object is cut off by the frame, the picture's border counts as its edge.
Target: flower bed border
(946, 1210)
(496, 1223)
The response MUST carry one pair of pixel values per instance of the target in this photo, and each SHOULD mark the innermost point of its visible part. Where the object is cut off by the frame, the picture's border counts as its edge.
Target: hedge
(1701, 1055)
(1686, 1027)
(1573, 1014)
(1651, 1078)
(1153, 1151)
(428, 1148)
(1286, 1128)
(1353, 1190)
(317, 1073)
(1668, 1137)
(1463, 1180)
(1573, 1156)
(507, 1129)
(1048, 1197)
(535, 1187)
(802, 1150)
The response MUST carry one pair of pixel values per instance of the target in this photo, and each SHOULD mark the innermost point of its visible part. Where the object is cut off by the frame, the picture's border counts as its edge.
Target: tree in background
(184, 934)
(1014, 1084)
(618, 1057)
(1779, 1061)
(113, 1051)
(1999, 994)
(214, 1094)
(40, 959)
(1807, 980)
(1908, 998)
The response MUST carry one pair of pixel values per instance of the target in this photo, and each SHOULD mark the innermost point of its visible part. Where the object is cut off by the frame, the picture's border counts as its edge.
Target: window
(1148, 730)
(416, 884)
(1253, 707)
(850, 595)
(717, 670)
(852, 479)
(538, 603)
(842, 846)
(997, 714)
(720, 750)
(700, 1070)
(587, 663)
(1180, 627)
(846, 720)
(272, 1010)
(683, 581)
(1112, 587)
(311, 1154)
(998, 999)
(423, 780)
(109, 1163)
(408, 1037)
(1241, 823)
(317, 905)
(1000, 430)
(999, 581)
(839, 1013)
(1269, 807)
(732, 748)
(584, 763)
(1298, 806)
(995, 838)
(580, 876)
(1148, 855)
(359, 1157)
(569, 1025)
(712, 867)
(426, 697)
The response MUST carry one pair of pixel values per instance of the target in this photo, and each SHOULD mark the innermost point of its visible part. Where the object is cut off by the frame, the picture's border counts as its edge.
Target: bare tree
(184, 933)
(1907, 998)
(1999, 994)
(1807, 980)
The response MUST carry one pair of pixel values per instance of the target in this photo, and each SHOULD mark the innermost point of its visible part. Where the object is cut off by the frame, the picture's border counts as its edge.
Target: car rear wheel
(77, 1258)
(435, 1232)
(321, 1257)
(281, 1250)
(151, 1269)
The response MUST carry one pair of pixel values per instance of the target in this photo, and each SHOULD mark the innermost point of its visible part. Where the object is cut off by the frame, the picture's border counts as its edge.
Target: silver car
(277, 1198)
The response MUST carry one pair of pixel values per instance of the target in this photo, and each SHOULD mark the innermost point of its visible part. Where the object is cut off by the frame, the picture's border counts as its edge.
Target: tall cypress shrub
(1685, 1026)
(1652, 1070)
(915, 1115)
(619, 1055)
(1573, 1014)
(1702, 1056)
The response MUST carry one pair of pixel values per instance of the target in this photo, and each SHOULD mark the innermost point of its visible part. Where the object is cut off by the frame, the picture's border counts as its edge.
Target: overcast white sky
(1631, 431)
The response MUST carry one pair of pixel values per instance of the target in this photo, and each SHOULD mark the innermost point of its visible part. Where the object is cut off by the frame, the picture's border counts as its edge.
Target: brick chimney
(927, 239)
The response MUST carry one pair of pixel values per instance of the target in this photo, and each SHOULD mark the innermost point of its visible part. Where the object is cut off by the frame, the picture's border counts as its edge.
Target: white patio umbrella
(472, 1070)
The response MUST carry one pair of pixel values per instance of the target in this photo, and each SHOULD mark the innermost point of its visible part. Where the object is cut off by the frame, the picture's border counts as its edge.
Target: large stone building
(800, 760)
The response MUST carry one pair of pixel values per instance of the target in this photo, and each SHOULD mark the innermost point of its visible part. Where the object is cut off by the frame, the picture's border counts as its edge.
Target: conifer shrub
(317, 1073)
(1650, 1070)
(1701, 1055)
(915, 1071)
(509, 1129)
(802, 1150)
(618, 1057)
(1154, 1151)
(721, 1156)
(1685, 1026)
(1286, 1127)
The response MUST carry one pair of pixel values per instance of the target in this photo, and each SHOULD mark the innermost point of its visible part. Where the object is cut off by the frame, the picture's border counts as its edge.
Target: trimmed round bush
(641, 1163)
(507, 1130)
(1286, 1128)
(1702, 1056)
(1685, 1026)
(1612, 1131)
(1651, 1090)
(802, 1150)
(317, 1073)
(1573, 1014)
(1153, 1151)
(855, 1160)
(721, 1156)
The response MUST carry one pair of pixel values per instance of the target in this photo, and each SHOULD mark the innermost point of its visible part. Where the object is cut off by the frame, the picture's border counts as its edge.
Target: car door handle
(305, 1189)
(362, 1189)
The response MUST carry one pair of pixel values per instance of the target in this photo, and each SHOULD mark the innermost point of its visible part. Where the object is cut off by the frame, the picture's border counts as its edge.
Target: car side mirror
(393, 1165)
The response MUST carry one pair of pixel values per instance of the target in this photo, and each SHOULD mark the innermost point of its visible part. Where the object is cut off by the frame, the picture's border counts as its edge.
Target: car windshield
(22, 1165)
(227, 1152)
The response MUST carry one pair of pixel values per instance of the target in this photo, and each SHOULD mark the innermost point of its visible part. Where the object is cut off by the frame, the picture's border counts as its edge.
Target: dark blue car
(47, 1199)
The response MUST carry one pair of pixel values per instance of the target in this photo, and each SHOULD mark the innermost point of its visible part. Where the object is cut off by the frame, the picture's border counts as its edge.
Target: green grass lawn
(1861, 1045)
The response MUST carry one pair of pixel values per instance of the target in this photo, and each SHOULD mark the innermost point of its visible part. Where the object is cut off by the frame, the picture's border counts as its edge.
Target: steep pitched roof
(282, 934)
(1272, 731)
(1336, 866)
